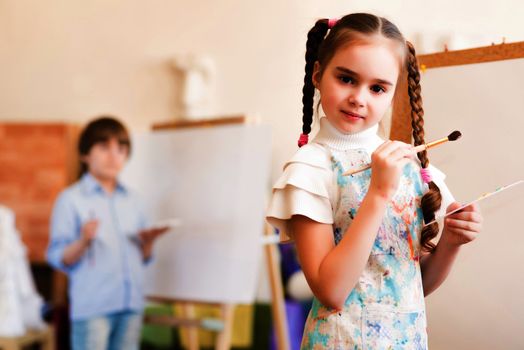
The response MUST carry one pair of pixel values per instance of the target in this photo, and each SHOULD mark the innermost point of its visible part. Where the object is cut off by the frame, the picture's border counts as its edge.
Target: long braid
(314, 40)
(431, 201)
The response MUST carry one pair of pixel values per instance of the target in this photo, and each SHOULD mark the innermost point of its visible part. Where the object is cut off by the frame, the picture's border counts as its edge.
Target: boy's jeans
(118, 331)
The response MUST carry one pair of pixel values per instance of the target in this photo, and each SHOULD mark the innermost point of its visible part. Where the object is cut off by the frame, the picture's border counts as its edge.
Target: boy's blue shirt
(109, 277)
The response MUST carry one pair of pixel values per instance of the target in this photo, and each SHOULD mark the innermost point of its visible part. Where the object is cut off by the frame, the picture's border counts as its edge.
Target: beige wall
(71, 60)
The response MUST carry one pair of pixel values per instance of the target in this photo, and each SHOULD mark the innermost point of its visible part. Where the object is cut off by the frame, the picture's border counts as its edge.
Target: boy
(95, 226)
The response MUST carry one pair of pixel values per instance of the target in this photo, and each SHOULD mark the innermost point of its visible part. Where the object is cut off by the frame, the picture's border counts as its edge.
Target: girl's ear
(316, 75)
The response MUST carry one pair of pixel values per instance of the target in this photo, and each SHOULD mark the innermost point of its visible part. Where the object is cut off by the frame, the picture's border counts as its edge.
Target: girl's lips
(353, 116)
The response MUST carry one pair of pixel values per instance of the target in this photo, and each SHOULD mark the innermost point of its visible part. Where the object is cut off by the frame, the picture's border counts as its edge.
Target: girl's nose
(356, 98)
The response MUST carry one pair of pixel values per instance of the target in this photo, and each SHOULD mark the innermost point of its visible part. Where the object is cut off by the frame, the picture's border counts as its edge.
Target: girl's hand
(387, 163)
(89, 231)
(461, 227)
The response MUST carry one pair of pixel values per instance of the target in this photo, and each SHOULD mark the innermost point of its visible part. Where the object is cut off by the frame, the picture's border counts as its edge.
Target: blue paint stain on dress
(389, 289)
(337, 166)
(338, 235)
(375, 326)
(354, 298)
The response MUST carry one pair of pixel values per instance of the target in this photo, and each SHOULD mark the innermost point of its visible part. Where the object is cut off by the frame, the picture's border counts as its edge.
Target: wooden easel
(401, 130)
(223, 326)
(401, 119)
(45, 338)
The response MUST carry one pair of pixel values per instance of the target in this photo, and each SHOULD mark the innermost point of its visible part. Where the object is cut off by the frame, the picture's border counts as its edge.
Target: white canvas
(215, 181)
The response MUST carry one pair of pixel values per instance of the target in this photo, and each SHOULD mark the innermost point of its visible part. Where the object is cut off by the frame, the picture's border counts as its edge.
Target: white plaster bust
(198, 87)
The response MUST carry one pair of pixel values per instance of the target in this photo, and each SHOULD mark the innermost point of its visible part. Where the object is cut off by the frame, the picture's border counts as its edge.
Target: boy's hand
(89, 231)
(147, 237)
(463, 226)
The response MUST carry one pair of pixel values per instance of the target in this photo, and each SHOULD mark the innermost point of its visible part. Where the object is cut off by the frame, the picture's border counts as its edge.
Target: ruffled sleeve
(447, 196)
(304, 188)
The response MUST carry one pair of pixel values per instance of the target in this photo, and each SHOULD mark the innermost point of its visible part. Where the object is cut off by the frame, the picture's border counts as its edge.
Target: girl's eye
(346, 79)
(378, 89)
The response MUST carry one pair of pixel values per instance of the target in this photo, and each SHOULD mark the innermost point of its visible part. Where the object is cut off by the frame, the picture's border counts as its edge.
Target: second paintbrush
(455, 135)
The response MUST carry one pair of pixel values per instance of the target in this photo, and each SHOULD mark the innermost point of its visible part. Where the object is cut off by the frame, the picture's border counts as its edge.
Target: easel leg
(188, 311)
(223, 341)
(277, 296)
(49, 340)
(10, 345)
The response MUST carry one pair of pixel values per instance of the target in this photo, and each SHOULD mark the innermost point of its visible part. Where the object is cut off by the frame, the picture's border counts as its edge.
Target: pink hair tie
(332, 22)
(302, 140)
(426, 175)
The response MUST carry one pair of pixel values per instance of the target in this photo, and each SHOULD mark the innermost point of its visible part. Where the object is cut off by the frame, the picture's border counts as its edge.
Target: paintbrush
(482, 197)
(90, 252)
(455, 135)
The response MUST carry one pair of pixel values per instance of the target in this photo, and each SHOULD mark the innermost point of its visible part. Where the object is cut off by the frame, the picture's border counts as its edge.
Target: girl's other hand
(387, 163)
(461, 227)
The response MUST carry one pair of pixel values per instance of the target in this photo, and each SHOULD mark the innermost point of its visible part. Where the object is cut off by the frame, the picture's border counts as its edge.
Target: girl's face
(357, 85)
(106, 159)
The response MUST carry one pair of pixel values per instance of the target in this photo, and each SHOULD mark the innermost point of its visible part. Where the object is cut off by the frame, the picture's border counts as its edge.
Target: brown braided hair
(432, 200)
(362, 28)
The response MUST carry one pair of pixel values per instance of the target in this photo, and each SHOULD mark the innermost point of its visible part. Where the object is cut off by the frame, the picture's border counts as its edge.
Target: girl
(360, 240)
(95, 226)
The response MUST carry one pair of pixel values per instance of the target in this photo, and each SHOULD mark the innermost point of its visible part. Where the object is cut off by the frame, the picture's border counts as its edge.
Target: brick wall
(37, 161)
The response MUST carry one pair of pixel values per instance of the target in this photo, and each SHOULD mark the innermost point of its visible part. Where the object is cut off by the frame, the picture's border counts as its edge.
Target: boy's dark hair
(101, 129)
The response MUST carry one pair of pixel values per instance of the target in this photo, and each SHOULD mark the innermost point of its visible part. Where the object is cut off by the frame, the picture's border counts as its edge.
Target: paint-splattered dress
(386, 308)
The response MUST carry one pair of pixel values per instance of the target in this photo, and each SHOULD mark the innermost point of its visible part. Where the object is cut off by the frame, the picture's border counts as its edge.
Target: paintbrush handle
(433, 144)
(420, 148)
(357, 170)
(417, 149)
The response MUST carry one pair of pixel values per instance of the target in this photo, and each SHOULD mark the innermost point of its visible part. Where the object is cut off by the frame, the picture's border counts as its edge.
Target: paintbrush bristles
(455, 135)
